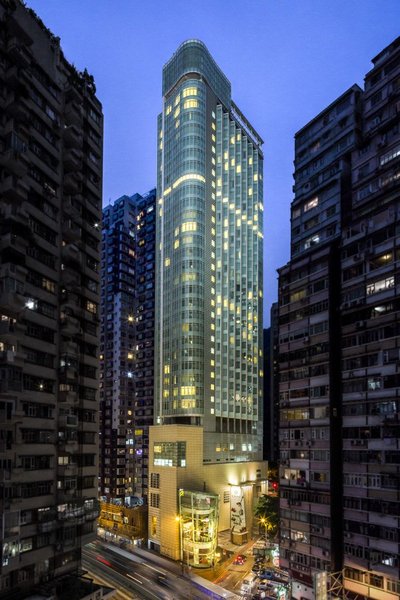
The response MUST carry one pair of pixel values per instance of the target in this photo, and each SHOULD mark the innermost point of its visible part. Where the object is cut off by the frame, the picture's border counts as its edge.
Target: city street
(142, 574)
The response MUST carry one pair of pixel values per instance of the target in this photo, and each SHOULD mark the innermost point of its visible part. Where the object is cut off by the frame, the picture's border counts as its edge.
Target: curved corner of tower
(193, 56)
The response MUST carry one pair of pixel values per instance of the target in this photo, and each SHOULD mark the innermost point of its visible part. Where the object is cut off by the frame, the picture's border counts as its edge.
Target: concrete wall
(214, 478)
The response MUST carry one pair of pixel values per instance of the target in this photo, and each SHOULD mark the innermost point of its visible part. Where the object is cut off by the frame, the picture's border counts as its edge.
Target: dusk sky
(286, 60)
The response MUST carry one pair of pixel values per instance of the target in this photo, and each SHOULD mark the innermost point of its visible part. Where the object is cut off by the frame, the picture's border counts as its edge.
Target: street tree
(267, 512)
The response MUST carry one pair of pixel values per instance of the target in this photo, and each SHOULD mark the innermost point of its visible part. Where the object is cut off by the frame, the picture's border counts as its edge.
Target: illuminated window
(190, 91)
(169, 454)
(189, 226)
(188, 390)
(91, 307)
(315, 239)
(176, 244)
(177, 111)
(379, 286)
(313, 203)
(389, 156)
(168, 109)
(190, 104)
(167, 262)
(187, 177)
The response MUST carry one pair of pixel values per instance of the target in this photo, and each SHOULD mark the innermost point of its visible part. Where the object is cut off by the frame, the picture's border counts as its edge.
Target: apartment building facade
(370, 340)
(127, 347)
(338, 340)
(50, 203)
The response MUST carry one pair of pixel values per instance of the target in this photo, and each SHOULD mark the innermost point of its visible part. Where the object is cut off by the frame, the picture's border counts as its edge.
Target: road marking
(134, 579)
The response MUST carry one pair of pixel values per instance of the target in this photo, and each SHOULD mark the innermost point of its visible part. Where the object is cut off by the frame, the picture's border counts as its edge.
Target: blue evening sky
(286, 60)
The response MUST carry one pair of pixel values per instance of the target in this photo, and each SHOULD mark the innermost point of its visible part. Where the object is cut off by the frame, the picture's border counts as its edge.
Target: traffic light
(275, 486)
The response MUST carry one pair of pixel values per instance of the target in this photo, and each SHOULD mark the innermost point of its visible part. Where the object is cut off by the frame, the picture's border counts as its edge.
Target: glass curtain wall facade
(198, 515)
(209, 295)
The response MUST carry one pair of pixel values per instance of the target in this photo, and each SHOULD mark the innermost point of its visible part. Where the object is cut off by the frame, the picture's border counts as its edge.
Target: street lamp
(263, 522)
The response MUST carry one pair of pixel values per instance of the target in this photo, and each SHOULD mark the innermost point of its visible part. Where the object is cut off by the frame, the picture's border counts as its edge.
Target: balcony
(69, 470)
(8, 356)
(73, 114)
(47, 526)
(72, 136)
(10, 332)
(18, 53)
(71, 253)
(68, 397)
(14, 107)
(69, 347)
(72, 160)
(14, 162)
(73, 182)
(12, 78)
(12, 303)
(71, 232)
(69, 446)
(16, 213)
(70, 208)
(66, 495)
(18, 244)
(71, 279)
(14, 189)
(69, 421)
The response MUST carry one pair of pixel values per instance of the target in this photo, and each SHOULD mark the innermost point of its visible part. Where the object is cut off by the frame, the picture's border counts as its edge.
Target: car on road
(240, 559)
(162, 580)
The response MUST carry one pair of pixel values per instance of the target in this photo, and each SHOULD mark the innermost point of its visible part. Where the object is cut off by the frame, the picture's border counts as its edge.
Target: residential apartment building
(370, 340)
(337, 340)
(271, 388)
(50, 204)
(127, 347)
(208, 296)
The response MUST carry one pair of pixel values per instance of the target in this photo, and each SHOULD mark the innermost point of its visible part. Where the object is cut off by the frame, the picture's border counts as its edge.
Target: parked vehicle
(266, 574)
(248, 582)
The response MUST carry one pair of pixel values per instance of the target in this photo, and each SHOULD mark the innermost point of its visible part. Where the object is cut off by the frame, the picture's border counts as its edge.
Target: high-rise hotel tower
(209, 277)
